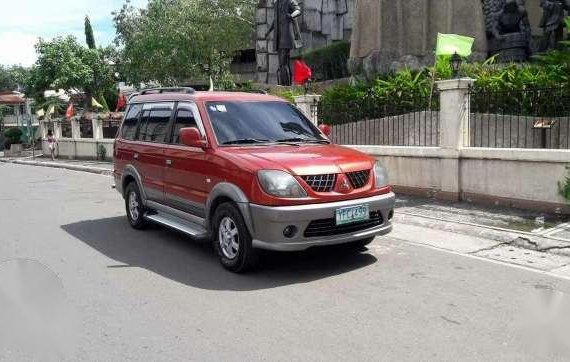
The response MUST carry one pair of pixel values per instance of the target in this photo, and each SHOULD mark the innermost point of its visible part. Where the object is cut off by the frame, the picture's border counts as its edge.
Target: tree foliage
(89, 38)
(65, 64)
(13, 77)
(176, 40)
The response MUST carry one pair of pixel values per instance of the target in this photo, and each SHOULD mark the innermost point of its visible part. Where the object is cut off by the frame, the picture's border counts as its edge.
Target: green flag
(447, 44)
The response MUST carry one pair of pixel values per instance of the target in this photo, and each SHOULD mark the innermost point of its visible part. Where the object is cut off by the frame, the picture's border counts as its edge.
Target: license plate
(348, 215)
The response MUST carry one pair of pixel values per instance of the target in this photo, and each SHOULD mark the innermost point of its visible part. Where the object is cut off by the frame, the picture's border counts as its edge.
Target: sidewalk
(514, 227)
(98, 167)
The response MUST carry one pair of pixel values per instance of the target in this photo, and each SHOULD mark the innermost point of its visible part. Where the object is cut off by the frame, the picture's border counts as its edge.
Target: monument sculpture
(554, 12)
(508, 29)
(321, 22)
(390, 34)
(287, 36)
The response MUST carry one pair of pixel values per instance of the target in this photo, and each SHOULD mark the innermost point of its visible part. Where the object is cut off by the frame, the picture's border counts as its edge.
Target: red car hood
(306, 159)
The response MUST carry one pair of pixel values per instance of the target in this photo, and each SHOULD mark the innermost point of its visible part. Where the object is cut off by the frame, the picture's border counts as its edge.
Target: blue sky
(24, 21)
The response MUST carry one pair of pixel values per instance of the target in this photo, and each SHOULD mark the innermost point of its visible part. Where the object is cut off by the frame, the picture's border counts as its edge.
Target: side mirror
(191, 137)
(326, 129)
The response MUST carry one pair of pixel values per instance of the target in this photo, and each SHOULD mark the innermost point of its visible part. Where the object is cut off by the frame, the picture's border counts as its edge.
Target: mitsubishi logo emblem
(344, 186)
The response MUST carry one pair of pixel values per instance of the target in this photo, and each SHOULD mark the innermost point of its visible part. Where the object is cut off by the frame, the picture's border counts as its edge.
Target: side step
(179, 224)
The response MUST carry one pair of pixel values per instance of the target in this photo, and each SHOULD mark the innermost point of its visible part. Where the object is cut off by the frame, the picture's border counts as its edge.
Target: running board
(174, 222)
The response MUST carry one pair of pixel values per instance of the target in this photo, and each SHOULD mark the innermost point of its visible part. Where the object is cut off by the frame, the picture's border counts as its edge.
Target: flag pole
(432, 81)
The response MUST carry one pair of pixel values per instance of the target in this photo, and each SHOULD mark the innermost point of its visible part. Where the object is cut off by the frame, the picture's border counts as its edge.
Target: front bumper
(268, 223)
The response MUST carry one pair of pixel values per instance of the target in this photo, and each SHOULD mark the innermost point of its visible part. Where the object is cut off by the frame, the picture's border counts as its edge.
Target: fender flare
(131, 171)
(234, 193)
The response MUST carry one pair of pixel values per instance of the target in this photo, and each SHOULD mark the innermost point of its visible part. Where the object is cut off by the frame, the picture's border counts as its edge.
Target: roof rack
(161, 90)
(257, 91)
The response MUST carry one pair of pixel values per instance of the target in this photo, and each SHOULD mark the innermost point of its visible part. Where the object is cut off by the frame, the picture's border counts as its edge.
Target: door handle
(168, 162)
(136, 156)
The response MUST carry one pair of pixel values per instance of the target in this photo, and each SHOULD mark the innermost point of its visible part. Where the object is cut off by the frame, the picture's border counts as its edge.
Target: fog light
(390, 214)
(290, 231)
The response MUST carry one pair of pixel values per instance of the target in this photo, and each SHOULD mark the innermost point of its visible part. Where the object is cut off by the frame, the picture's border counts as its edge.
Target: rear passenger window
(184, 118)
(154, 127)
(129, 129)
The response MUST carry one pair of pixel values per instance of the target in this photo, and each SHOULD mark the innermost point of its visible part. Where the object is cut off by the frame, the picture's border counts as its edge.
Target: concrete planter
(15, 150)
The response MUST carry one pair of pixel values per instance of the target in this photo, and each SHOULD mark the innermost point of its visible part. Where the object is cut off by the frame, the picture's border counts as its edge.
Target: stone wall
(388, 34)
(322, 22)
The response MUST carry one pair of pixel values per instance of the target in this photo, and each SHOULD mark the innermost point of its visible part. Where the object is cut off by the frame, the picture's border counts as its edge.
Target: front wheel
(232, 240)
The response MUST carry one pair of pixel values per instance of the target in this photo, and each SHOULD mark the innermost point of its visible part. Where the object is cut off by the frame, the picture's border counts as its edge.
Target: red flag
(121, 102)
(70, 111)
(301, 72)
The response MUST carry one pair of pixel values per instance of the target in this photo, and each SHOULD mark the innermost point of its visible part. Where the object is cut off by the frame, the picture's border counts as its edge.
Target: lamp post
(455, 63)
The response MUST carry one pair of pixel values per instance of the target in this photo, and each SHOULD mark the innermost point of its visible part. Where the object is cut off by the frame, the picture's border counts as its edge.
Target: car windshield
(244, 122)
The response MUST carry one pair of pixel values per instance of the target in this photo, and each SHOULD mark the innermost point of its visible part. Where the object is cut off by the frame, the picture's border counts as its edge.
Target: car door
(152, 140)
(186, 167)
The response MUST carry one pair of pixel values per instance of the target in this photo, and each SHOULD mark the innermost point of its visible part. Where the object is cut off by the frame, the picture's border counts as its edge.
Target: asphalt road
(156, 295)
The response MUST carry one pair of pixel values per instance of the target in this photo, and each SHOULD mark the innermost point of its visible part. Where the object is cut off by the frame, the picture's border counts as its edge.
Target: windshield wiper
(243, 141)
(299, 139)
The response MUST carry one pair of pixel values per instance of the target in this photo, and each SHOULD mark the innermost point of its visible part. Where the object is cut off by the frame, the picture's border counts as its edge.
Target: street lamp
(455, 63)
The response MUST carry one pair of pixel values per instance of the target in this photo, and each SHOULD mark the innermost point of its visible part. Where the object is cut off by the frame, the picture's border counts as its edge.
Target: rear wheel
(134, 206)
(232, 240)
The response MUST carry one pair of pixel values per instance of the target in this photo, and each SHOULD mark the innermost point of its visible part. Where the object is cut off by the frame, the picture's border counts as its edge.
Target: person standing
(287, 36)
(52, 143)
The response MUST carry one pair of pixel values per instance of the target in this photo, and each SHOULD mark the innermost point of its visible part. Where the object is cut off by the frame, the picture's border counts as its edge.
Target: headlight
(280, 184)
(381, 176)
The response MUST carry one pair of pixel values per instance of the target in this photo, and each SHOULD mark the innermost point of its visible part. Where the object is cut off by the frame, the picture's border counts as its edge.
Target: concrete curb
(503, 236)
(67, 166)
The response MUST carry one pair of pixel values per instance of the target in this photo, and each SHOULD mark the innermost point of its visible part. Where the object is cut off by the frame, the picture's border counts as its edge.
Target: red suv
(249, 171)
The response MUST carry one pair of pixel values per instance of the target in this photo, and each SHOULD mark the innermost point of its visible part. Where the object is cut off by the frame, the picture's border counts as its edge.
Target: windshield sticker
(218, 108)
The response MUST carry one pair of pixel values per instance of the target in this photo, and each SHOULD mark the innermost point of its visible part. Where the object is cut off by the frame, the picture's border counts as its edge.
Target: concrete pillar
(75, 130)
(43, 129)
(309, 105)
(97, 128)
(454, 112)
(453, 131)
(57, 128)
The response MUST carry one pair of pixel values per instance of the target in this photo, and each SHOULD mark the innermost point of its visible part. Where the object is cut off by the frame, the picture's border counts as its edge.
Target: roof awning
(11, 98)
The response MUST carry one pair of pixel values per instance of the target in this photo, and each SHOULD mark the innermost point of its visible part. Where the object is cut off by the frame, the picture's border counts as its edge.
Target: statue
(508, 29)
(552, 21)
(287, 36)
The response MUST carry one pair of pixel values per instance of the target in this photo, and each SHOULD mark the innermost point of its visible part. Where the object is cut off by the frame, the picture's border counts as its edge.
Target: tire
(232, 240)
(134, 206)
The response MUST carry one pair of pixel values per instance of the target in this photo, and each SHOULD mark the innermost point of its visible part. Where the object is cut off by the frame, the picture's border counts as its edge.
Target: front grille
(321, 183)
(358, 179)
(328, 227)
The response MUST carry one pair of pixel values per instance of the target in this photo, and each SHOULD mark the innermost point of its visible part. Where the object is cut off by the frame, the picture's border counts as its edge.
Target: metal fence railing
(110, 127)
(66, 129)
(530, 118)
(369, 122)
(86, 128)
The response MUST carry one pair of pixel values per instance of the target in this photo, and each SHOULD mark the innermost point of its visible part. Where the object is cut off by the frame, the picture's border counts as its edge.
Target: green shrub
(329, 62)
(101, 153)
(13, 135)
(409, 91)
(564, 187)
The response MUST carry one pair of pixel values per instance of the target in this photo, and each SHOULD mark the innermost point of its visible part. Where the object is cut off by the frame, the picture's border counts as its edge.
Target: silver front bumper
(268, 223)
